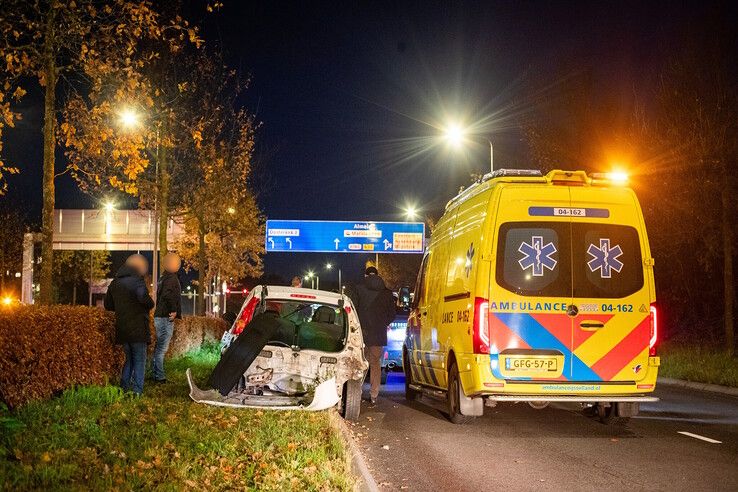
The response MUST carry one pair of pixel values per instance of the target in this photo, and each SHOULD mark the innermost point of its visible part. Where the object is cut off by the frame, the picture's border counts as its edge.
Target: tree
(52, 41)
(11, 244)
(693, 128)
(105, 154)
(223, 224)
(80, 266)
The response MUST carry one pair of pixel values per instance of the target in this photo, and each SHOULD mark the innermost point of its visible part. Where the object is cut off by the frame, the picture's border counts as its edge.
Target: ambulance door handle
(591, 325)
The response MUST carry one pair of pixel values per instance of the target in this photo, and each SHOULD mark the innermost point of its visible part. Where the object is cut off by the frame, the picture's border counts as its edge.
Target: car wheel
(351, 399)
(608, 415)
(454, 396)
(410, 393)
(383, 379)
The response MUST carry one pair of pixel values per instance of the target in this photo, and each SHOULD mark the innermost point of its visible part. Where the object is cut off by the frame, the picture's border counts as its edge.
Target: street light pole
(491, 157)
(155, 238)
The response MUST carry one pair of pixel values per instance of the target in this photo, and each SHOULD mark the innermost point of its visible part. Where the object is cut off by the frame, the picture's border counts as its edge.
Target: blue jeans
(132, 377)
(164, 329)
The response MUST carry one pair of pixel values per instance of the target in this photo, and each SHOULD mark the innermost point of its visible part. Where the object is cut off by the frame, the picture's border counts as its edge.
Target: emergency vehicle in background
(536, 288)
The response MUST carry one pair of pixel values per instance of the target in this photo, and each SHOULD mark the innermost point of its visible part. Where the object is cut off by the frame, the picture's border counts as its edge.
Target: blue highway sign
(324, 236)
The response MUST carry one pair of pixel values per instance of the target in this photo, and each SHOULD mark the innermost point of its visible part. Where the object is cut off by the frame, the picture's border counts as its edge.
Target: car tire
(608, 415)
(351, 400)
(453, 397)
(383, 379)
(241, 353)
(410, 393)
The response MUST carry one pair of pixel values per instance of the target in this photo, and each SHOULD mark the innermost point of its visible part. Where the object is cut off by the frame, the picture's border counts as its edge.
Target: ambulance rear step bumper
(567, 398)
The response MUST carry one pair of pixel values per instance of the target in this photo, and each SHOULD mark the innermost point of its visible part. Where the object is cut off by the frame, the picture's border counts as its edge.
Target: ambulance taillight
(481, 326)
(654, 331)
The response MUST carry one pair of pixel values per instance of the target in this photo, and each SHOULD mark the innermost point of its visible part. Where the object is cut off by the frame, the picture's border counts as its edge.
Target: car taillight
(246, 315)
(654, 331)
(481, 326)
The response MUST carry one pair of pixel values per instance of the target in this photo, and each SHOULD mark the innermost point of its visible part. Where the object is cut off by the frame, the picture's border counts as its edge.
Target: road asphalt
(412, 446)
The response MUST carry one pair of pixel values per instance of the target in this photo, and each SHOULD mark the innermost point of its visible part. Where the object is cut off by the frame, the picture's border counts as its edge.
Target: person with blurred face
(296, 281)
(168, 308)
(130, 299)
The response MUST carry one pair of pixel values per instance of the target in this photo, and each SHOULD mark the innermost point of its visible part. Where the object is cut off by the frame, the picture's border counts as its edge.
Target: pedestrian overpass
(94, 230)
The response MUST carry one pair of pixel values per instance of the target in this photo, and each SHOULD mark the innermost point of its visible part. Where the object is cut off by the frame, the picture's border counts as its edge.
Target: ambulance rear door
(611, 332)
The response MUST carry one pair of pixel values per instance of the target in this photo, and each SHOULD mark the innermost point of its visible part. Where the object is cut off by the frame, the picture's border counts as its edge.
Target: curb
(711, 388)
(365, 480)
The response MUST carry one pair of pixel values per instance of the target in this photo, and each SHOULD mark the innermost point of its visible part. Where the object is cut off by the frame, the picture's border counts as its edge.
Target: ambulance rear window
(533, 258)
(607, 260)
(562, 259)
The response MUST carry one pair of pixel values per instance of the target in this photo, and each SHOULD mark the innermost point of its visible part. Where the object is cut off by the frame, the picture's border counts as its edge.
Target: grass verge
(98, 438)
(699, 364)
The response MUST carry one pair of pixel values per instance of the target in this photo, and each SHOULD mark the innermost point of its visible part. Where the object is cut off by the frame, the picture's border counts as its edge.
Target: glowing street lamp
(456, 135)
(129, 118)
(410, 212)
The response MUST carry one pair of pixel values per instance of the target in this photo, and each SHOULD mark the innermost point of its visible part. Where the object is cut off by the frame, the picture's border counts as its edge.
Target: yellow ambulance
(537, 289)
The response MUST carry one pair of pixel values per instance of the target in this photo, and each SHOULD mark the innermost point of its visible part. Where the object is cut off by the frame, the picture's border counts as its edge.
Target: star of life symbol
(605, 258)
(537, 256)
(469, 257)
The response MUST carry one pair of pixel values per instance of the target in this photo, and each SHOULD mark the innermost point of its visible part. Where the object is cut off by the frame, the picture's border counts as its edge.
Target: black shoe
(372, 402)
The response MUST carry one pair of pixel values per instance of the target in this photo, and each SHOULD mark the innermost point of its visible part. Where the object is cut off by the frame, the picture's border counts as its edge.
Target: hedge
(46, 349)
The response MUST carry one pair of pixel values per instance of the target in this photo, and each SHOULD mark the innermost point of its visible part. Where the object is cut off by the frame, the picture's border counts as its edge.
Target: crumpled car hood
(325, 397)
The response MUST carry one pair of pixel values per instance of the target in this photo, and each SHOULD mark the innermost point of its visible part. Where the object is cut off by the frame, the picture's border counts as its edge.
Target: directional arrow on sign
(289, 241)
(336, 241)
(271, 241)
(387, 245)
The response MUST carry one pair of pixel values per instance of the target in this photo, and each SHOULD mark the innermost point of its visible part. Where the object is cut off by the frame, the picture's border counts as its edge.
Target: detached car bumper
(325, 397)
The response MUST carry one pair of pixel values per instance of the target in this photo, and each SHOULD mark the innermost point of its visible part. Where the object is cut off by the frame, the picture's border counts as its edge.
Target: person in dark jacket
(375, 307)
(168, 308)
(130, 299)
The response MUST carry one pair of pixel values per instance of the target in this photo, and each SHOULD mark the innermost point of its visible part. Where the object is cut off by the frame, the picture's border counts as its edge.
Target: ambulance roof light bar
(615, 177)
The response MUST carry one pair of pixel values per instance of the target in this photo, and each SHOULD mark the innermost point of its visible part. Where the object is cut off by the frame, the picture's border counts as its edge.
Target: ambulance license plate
(533, 364)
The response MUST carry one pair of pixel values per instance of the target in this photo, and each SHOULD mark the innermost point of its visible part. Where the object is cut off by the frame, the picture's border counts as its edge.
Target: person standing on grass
(128, 296)
(375, 307)
(168, 308)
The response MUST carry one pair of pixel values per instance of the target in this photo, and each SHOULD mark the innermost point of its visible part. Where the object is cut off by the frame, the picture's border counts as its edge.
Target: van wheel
(608, 415)
(410, 393)
(351, 400)
(453, 397)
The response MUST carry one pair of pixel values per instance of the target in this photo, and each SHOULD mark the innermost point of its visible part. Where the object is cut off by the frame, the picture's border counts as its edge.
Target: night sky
(352, 96)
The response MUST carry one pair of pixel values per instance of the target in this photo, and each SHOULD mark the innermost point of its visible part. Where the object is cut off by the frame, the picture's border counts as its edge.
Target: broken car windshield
(309, 325)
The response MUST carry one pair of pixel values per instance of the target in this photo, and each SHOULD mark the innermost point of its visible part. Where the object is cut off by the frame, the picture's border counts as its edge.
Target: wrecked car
(290, 348)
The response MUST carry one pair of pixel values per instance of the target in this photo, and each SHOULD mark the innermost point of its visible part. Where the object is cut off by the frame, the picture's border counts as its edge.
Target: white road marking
(701, 438)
